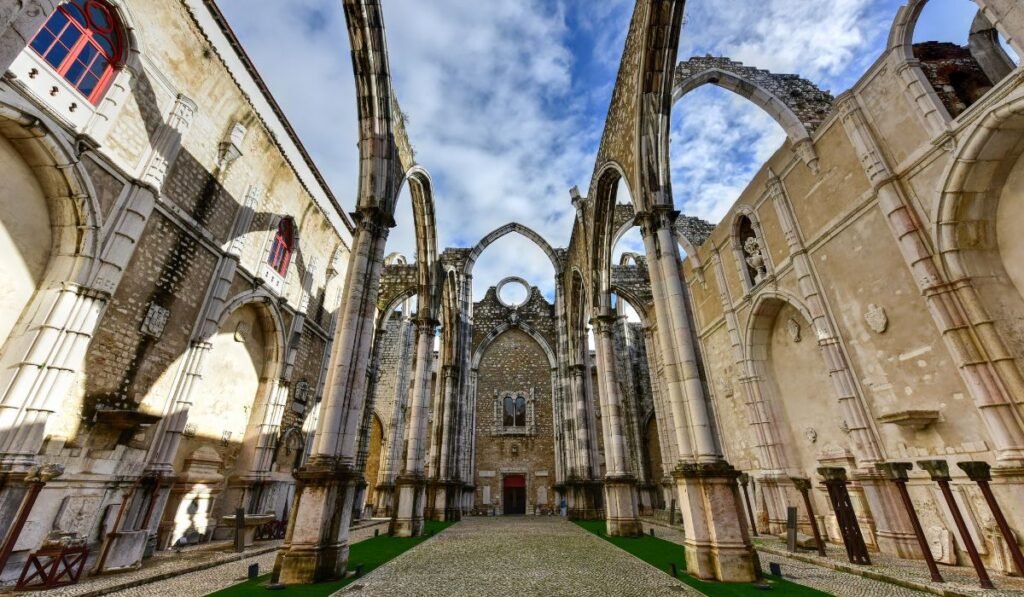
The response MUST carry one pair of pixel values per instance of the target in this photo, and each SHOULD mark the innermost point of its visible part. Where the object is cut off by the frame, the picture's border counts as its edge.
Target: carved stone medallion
(876, 318)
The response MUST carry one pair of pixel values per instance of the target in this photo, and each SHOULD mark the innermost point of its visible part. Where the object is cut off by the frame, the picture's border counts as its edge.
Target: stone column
(54, 352)
(620, 503)
(448, 420)
(411, 484)
(662, 413)
(316, 545)
(717, 541)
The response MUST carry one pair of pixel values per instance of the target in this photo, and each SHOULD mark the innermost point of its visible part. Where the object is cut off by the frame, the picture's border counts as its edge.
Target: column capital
(938, 469)
(655, 218)
(895, 471)
(976, 470)
(603, 324)
(425, 325)
(373, 220)
(833, 473)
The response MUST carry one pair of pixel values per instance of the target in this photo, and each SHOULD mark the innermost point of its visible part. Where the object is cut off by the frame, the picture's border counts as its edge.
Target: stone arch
(511, 228)
(72, 202)
(577, 309)
(478, 354)
(68, 297)
(976, 252)
(798, 105)
(638, 304)
(901, 46)
(421, 188)
(273, 325)
(604, 235)
(771, 427)
(901, 34)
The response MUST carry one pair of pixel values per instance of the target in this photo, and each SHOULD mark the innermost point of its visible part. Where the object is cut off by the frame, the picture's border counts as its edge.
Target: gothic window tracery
(82, 41)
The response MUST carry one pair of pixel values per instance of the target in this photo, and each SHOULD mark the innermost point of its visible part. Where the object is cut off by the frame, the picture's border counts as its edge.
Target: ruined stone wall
(172, 222)
(514, 363)
(891, 342)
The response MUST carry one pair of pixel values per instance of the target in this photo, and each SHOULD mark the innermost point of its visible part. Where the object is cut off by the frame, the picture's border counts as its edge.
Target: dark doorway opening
(514, 494)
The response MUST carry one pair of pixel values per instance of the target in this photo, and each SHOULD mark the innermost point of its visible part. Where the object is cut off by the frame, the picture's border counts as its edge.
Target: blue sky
(506, 99)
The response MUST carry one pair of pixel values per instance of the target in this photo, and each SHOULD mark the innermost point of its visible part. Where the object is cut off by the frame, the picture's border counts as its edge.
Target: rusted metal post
(981, 473)
(846, 516)
(744, 480)
(897, 473)
(804, 486)
(36, 479)
(939, 471)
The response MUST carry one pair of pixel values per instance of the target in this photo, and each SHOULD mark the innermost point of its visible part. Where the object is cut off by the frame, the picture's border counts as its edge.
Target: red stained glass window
(82, 41)
(284, 245)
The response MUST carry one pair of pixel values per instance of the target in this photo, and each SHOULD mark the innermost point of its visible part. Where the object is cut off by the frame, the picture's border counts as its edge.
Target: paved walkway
(181, 583)
(516, 556)
(817, 577)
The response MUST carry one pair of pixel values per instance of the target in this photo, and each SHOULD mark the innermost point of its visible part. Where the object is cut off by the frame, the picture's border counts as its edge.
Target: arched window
(509, 420)
(284, 245)
(520, 420)
(82, 41)
(513, 412)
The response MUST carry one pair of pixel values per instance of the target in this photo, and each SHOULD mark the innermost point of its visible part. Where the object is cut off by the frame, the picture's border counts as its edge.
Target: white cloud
(506, 100)
(720, 140)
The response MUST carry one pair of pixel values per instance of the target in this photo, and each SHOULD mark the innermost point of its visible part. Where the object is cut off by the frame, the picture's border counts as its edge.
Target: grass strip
(662, 554)
(371, 553)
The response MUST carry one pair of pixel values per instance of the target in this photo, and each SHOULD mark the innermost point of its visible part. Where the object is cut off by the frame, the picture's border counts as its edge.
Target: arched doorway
(217, 449)
(513, 495)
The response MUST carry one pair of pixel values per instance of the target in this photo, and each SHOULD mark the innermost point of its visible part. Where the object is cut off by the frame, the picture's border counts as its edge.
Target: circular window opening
(513, 292)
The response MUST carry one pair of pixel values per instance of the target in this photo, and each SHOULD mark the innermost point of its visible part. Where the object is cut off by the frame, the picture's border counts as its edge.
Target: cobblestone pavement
(516, 556)
(816, 577)
(192, 584)
(960, 580)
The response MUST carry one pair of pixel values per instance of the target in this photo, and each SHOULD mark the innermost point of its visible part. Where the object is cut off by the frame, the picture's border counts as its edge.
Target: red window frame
(283, 247)
(82, 41)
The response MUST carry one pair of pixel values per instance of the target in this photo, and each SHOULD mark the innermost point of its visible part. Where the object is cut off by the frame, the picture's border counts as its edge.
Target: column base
(893, 531)
(622, 514)
(717, 542)
(316, 548)
(584, 499)
(411, 492)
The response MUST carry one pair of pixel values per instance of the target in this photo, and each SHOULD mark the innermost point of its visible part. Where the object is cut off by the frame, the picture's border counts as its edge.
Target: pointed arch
(478, 354)
(512, 228)
(274, 330)
(796, 104)
(421, 187)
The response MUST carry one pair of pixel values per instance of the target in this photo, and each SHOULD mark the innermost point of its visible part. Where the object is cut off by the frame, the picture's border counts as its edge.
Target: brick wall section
(515, 362)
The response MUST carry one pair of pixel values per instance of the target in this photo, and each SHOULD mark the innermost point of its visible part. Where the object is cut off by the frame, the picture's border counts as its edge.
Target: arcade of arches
(194, 324)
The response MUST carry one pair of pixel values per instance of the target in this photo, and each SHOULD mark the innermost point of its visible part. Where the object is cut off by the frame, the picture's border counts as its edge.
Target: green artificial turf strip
(661, 554)
(371, 553)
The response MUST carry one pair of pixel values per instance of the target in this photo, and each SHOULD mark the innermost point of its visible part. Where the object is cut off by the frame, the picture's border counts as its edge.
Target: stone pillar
(316, 545)
(621, 507)
(717, 543)
(411, 484)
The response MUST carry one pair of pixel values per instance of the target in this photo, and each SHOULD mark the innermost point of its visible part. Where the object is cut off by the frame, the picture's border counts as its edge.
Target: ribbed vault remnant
(810, 104)
(694, 229)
